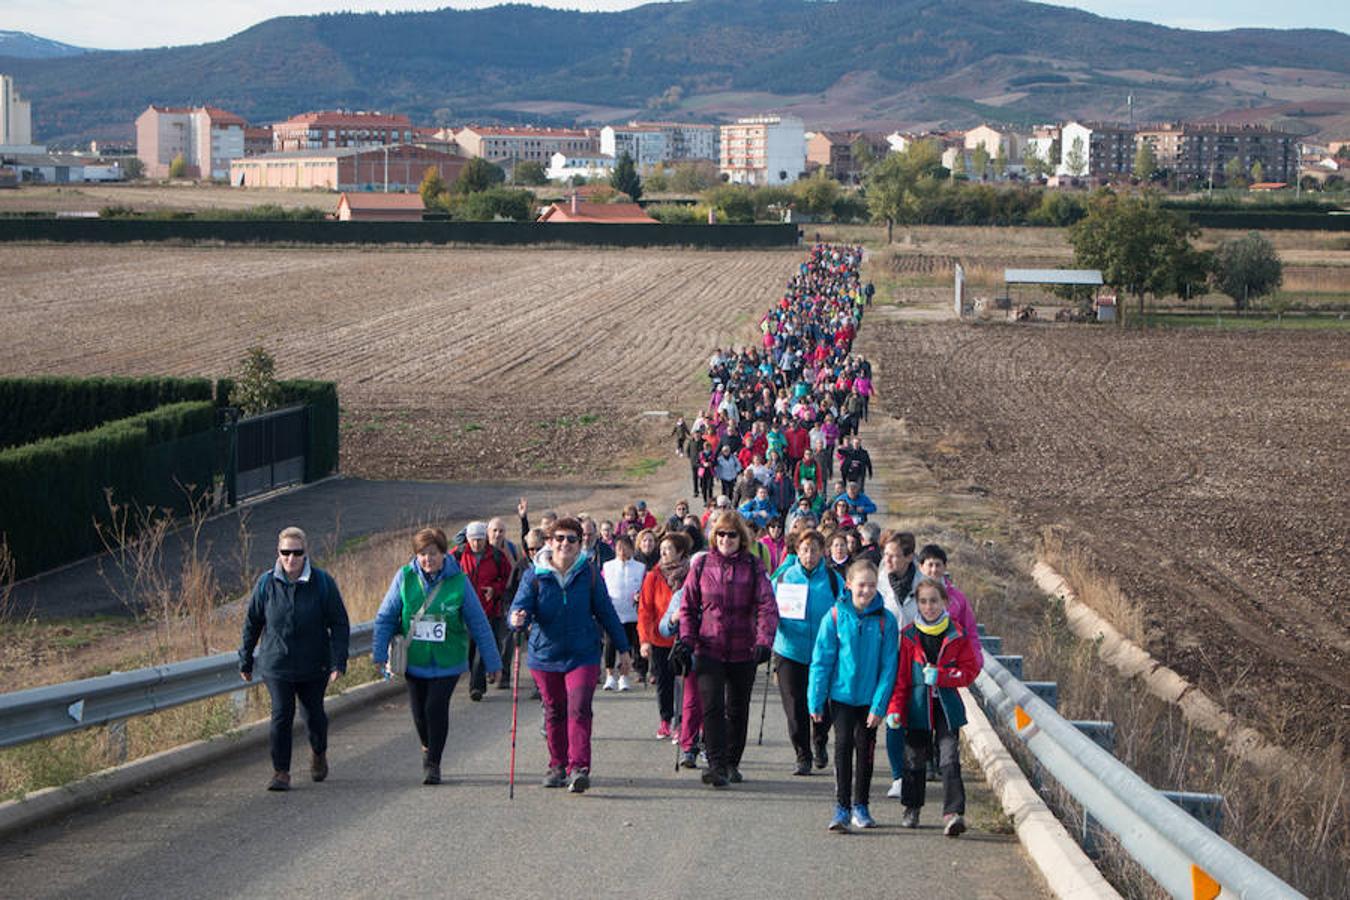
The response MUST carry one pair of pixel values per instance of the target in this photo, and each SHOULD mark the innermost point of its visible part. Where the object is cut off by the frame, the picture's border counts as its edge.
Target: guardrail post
(1046, 690)
(992, 645)
(239, 699)
(1013, 664)
(1207, 809)
(117, 740)
(1103, 734)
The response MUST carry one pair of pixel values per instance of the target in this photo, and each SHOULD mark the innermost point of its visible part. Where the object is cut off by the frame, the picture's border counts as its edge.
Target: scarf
(675, 572)
(935, 628)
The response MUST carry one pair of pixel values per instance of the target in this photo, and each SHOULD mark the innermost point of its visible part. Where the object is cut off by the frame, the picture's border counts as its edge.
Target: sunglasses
(291, 552)
(566, 538)
(728, 534)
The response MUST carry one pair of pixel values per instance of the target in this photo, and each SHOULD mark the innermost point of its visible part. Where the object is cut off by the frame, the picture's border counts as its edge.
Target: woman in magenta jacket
(729, 620)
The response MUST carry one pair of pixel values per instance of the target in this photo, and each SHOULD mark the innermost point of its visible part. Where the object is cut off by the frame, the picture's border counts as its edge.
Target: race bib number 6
(431, 630)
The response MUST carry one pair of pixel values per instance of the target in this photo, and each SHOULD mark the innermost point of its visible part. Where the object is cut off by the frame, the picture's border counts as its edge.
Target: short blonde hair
(293, 533)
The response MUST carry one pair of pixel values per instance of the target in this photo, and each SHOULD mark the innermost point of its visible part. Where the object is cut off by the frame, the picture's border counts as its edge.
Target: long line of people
(783, 568)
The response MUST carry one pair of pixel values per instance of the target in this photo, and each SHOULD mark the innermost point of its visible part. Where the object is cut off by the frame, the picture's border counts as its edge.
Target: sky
(128, 25)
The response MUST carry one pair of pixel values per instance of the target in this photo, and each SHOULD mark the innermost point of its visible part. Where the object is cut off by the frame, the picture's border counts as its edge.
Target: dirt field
(145, 196)
(450, 363)
(1205, 472)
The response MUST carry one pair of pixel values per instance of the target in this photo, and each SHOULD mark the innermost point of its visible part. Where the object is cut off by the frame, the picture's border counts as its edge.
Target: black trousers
(806, 736)
(852, 785)
(284, 694)
(919, 746)
(665, 682)
(477, 671)
(429, 699)
(728, 488)
(612, 653)
(724, 688)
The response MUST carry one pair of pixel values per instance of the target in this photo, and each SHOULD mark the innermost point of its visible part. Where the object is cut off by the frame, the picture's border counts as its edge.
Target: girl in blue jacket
(853, 668)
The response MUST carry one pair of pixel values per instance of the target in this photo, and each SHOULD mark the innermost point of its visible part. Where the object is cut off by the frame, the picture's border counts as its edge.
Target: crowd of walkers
(782, 568)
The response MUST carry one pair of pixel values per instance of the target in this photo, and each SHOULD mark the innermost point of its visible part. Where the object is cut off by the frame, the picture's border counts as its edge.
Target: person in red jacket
(936, 658)
(489, 571)
(660, 584)
(728, 620)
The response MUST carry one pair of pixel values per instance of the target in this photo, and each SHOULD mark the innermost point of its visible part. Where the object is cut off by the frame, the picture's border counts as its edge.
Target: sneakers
(476, 695)
(663, 731)
(953, 825)
(862, 818)
(580, 780)
(318, 766)
(734, 775)
(431, 774)
(894, 792)
(803, 767)
(715, 777)
(689, 760)
(611, 683)
(910, 817)
(822, 757)
(281, 781)
(839, 824)
(624, 683)
(556, 778)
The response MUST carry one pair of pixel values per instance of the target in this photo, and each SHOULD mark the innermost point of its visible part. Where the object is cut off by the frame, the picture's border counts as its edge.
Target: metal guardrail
(44, 712)
(1182, 855)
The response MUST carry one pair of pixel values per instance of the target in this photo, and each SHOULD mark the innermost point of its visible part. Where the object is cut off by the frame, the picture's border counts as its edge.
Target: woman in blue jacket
(793, 643)
(434, 603)
(566, 603)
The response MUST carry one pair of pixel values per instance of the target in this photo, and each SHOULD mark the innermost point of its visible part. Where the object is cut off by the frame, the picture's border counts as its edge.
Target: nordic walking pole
(764, 706)
(518, 637)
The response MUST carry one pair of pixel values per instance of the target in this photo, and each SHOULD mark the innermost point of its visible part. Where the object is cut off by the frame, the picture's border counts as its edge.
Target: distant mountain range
(849, 63)
(22, 45)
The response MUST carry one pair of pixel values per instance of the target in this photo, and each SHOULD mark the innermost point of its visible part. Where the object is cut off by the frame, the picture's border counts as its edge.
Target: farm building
(53, 168)
(380, 207)
(397, 168)
(576, 210)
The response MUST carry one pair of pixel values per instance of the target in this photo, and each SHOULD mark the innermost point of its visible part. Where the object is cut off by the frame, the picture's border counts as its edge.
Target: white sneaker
(624, 683)
(895, 789)
(611, 683)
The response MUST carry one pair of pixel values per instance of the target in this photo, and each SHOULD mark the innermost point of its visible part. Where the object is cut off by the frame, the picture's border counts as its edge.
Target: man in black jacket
(297, 611)
(855, 463)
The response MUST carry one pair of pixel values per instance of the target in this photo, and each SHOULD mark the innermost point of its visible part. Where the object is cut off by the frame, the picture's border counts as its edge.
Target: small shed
(379, 207)
(1051, 277)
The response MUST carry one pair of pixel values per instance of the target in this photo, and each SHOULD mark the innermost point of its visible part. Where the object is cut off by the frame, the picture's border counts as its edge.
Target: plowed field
(449, 363)
(1205, 472)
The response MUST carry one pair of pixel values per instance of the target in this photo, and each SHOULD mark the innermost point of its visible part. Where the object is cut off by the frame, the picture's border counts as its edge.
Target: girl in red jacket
(936, 658)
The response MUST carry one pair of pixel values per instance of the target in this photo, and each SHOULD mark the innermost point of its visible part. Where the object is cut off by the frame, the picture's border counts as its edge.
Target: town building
(60, 168)
(1199, 151)
(651, 144)
(380, 207)
(834, 152)
(397, 168)
(16, 116)
(998, 142)
(1096, 150)
(512, 144)
(1043, 144)
(338, 128)
(763, 150)
(562, 167)
(574, 209)
(257, 140)
(207, 138)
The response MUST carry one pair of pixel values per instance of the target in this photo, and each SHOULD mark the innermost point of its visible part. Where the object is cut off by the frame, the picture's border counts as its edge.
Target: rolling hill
(862, 63)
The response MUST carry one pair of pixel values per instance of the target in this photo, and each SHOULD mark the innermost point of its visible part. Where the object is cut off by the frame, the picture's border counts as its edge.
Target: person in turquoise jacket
(853, 669)
(794, 640)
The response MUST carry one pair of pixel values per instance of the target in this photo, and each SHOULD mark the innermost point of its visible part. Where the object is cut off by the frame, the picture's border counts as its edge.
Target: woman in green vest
(432, 602)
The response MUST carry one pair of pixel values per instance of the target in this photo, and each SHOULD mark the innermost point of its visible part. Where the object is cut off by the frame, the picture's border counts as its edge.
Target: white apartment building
(16, 116)
(656, 143)
(208, 139)
(763, 150)
(1095, 150)
(562, 167)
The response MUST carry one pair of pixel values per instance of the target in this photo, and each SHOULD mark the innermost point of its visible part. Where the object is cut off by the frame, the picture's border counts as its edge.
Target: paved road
(330, 512)
(372, 830)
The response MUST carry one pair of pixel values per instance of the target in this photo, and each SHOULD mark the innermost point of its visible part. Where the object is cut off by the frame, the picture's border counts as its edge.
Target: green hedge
(52, 492)
(1269, 221)
(49, 406)
(322, 399)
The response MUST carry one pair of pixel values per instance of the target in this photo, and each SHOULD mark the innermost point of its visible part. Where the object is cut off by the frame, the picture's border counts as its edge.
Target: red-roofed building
(574, 209)
(207, 138)
(341, 128)
(380, 207)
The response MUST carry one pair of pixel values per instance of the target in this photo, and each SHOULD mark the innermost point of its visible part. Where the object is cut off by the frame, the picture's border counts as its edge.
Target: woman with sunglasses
(566, 603)
(729, 620)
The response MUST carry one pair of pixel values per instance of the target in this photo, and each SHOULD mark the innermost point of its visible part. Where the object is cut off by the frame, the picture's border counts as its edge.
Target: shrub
(51, 406)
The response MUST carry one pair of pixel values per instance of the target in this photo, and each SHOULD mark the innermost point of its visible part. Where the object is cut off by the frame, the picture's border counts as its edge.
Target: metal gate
(269, 451)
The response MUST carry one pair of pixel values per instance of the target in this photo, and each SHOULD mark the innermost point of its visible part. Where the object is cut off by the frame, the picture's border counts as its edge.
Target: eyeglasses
(289, 552)
(728, 534)
(566, 538)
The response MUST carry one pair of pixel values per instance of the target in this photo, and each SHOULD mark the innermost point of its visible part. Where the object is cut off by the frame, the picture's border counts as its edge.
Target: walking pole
(764, 706)
(518, 637)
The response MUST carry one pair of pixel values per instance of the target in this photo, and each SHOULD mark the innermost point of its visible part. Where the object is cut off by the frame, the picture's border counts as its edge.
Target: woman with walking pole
(564, 602)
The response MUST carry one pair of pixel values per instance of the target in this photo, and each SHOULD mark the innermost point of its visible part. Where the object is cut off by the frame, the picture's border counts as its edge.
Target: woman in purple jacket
(729, 620)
